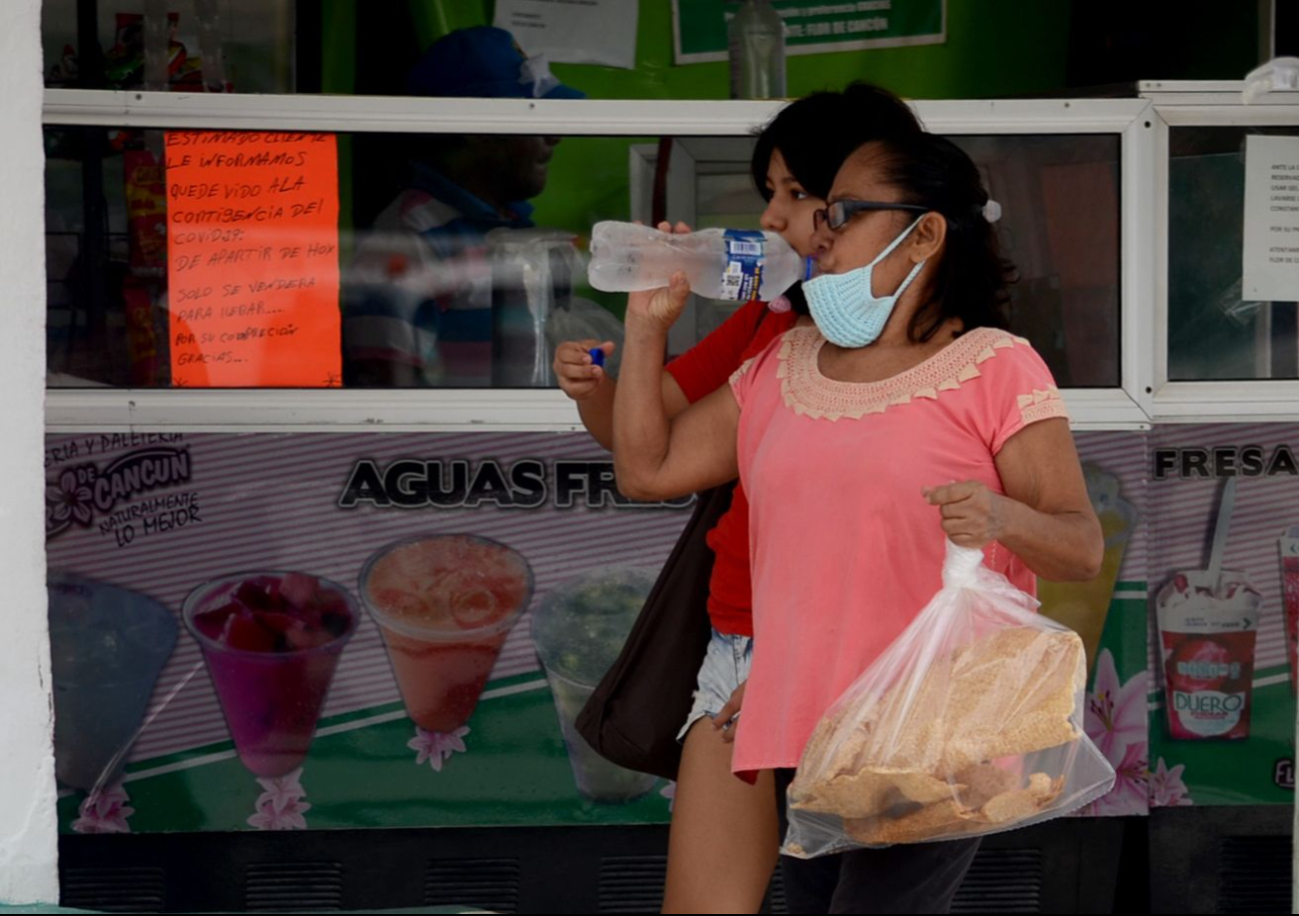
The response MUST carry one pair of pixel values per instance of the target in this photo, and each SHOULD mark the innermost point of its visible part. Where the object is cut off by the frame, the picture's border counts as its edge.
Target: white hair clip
(992, 211)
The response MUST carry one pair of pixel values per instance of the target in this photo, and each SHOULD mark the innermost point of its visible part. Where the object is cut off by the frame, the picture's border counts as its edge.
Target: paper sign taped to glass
(970, 723)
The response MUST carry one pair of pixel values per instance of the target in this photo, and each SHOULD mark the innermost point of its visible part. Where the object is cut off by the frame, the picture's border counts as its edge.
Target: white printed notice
(1271, 250)
(573, 31)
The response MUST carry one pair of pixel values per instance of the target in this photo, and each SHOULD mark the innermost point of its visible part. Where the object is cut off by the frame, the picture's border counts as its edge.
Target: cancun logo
(76, 494)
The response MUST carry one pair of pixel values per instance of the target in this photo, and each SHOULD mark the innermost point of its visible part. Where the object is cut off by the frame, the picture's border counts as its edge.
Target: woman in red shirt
(724, 835)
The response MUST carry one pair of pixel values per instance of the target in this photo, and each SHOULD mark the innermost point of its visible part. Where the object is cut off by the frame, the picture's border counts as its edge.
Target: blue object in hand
(597, 356)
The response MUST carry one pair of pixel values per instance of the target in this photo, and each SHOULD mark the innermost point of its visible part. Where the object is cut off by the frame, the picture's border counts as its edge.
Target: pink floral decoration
(1116, 713)
(437, 747)
(105, 811)
(1167, 790)
(1129, 795)
(282, 805)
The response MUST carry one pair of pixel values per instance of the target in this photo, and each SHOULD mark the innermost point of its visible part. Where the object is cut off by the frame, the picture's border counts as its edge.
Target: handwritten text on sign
(252, 252)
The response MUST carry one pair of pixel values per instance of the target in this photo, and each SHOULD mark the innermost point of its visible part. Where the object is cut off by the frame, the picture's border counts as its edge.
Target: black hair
(972, 279)
(816, 133)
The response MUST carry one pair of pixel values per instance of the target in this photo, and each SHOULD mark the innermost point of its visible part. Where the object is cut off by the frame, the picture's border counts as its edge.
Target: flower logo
(67, 501)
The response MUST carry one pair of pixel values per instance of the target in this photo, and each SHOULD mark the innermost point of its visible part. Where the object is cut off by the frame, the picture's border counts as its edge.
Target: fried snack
(984, 782)
(928, 738)
(943, 819)
(1011, 692)
(1020, 804)
(868, 792)
(950, 818)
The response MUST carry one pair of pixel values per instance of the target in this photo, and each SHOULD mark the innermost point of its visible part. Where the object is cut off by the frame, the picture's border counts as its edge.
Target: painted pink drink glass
(445, 605)
(271, 641)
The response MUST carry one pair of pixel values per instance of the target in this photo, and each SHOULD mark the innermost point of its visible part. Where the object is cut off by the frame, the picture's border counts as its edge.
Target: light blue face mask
(845, 308)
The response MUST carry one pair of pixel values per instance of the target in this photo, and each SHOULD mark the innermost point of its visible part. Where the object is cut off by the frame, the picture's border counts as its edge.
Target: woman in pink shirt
(721, 826)
(907, 416)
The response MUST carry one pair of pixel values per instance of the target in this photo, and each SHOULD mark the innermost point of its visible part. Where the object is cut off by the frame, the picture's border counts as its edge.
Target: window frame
(337, 410)
(1207, 104)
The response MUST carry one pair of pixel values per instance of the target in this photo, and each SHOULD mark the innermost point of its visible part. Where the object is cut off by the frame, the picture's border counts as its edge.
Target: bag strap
(709, 509)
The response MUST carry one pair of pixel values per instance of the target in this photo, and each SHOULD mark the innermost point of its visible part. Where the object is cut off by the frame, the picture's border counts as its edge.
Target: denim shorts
(726, 667)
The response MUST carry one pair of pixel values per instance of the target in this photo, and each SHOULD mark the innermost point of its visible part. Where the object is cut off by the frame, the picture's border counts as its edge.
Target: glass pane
(228, 259)
(607, 50)
(240, 259)
(182, 45)
(1214, 334)
(1059, 225)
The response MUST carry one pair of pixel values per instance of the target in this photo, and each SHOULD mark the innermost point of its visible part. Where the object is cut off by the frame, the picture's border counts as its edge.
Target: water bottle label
(744, 262)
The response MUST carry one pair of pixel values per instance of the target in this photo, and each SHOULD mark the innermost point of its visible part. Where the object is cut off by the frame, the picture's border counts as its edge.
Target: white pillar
(28, 828)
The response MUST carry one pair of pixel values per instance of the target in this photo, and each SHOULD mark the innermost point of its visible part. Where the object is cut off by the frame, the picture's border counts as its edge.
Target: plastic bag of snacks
(970, 723)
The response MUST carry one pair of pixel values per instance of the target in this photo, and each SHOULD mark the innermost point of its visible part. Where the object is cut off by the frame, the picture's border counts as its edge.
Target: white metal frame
(70, 410)
(1205, 104)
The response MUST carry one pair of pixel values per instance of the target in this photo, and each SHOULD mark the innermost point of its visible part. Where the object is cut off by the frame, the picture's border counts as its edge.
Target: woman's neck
(897, 333)
(894, 352)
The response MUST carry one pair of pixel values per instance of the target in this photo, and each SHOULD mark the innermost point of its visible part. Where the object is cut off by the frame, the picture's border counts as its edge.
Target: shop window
(180, 46)
(1059, 225)
(189, 259)
(1215, 330)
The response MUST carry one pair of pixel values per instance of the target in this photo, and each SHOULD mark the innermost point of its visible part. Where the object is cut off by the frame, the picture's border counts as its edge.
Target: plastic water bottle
(1274, 76)
(734, 264)
(757, 52)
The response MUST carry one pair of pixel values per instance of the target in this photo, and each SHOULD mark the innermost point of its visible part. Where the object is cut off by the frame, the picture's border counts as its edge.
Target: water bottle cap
(597, 356)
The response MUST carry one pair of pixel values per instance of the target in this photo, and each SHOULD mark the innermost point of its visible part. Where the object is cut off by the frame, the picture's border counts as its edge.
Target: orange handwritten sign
(252, 259)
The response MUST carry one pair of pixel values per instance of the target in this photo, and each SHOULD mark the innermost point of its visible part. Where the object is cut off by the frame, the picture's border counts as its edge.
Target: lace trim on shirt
(738, 373)
(1042, 405)
(806, 391)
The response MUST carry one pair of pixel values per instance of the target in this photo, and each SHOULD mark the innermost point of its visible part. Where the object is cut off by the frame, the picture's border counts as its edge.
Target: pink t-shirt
(845, 550)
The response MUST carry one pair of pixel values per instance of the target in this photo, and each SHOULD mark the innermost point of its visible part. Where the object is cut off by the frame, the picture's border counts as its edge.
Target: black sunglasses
(837, 214)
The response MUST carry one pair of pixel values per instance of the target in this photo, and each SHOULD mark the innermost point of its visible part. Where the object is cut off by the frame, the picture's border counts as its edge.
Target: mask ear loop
(915, 271)
(897, 241)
